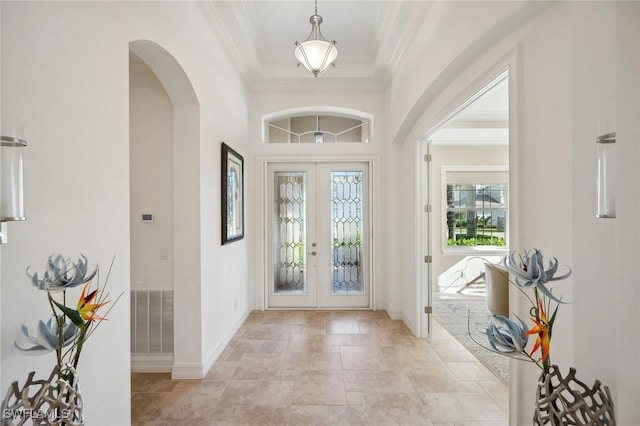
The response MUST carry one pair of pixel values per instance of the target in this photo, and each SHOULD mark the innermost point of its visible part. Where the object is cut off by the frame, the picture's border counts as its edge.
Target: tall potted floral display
(57, 400)
(559, 400)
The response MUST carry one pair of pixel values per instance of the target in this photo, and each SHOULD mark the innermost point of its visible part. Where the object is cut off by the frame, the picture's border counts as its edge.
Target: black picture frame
(232, 179)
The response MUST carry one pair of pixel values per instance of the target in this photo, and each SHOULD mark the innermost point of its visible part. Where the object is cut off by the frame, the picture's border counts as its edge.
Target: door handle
(313, 253)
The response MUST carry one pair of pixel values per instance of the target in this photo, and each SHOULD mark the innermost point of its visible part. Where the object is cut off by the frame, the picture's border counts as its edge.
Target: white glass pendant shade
(316, 55)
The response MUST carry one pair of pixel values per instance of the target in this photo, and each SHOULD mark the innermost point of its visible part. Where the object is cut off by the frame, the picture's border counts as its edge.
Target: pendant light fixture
(316, 53)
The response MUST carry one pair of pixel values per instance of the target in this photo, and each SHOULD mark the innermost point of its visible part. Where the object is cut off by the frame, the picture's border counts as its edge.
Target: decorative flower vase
(568, 401)
(55, 401)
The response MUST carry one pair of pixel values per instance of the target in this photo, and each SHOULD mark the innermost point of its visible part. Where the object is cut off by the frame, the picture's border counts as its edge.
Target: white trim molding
(262, 181)
(145, 363)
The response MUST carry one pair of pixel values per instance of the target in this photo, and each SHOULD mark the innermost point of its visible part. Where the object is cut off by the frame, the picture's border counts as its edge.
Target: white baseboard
(151, 363)
(399, 315)
(394, 315)
(410, 325)
(222, 346)
(187, 371)
(198, 371)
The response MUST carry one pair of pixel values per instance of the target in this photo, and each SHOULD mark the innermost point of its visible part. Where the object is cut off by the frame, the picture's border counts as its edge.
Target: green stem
(81, 339)
(60, 322)
(533, 360)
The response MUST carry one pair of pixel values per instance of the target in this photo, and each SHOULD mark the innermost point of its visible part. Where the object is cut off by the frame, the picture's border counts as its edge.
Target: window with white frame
(475, 213)
(317, 127)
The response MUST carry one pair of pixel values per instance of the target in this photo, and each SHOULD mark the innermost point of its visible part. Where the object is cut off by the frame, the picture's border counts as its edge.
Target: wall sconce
(605, 146)
(11, 177)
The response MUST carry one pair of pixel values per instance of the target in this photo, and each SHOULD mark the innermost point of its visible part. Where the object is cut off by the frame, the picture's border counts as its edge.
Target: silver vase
(568, 401)
(55, 401)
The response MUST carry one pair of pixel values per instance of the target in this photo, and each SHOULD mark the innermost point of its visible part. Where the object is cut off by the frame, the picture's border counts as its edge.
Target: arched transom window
(317, 126)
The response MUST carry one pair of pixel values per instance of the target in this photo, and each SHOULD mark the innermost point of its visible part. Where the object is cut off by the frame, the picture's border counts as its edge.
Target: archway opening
(164, 142)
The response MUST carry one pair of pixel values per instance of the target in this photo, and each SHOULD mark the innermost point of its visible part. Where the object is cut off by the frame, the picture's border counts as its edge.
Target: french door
(319, 235)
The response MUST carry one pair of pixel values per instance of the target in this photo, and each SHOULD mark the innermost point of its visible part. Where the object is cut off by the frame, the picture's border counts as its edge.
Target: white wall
(539, 158)
(594, 98)
(151, 175)
(605, 83)
(409, 256)
(432, 80)
(1, 118)
(433, 61)
(392, 273)
(65, 76)
(544, 171)
(567, 75)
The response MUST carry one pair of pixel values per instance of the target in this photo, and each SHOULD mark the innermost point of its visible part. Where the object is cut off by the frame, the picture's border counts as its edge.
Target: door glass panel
(346, 232)
(289, 228)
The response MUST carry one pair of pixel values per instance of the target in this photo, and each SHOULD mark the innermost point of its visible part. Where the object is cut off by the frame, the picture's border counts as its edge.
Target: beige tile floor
(328, 368)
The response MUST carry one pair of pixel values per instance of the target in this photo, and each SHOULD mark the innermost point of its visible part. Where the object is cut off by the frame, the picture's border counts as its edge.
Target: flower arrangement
(511, 337)
(68, 328)
(58, 400)
(559, 400)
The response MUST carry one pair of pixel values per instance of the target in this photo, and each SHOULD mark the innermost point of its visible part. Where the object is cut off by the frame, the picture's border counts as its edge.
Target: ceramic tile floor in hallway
(328, 368)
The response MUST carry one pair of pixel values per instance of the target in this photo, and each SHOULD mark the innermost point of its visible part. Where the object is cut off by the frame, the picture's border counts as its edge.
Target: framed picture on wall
(232, 195)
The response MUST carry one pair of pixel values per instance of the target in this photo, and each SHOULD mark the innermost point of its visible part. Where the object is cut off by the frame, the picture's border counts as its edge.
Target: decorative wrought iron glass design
(289, 232)
(476, 214)
(347, 225)
(307, 128)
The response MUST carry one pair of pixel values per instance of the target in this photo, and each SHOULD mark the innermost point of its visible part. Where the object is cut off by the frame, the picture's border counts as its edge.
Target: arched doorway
(173, 235)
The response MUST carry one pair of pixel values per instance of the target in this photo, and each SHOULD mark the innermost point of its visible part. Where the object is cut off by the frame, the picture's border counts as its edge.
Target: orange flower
(542, 329)
(86, 308)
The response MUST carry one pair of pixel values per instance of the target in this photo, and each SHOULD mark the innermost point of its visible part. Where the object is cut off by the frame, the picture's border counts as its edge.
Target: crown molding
(240, 50)
(395, 27)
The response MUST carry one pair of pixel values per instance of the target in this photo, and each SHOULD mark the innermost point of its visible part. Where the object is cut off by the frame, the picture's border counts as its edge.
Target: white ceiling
(485, 121)
(371, 37)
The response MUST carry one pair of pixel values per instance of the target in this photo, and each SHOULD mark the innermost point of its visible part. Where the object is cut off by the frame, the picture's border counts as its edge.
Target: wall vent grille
(151, 322)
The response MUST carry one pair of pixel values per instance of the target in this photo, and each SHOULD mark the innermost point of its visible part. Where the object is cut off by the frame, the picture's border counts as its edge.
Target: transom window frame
(317, 111)
(481, 249)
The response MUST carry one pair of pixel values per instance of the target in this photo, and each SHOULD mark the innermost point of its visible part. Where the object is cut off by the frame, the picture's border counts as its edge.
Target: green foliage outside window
(478, 240)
